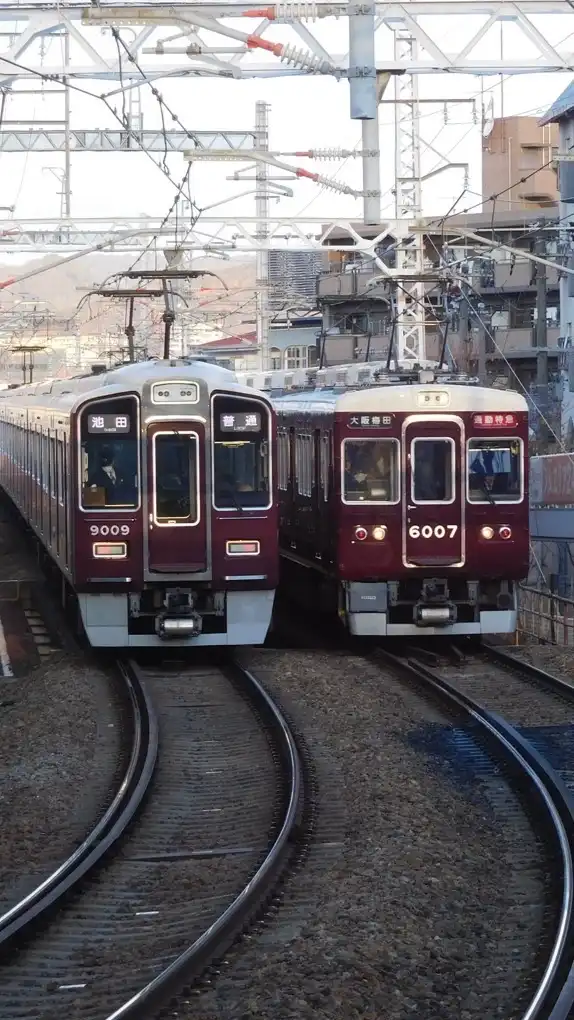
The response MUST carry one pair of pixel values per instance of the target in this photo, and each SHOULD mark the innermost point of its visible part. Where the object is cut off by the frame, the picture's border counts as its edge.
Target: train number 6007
(428, 531)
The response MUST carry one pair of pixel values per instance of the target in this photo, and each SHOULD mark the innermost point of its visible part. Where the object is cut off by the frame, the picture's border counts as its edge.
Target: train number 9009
(113, 530)
(433, 531)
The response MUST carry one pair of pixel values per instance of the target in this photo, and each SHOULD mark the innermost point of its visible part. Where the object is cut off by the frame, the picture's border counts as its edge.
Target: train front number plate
(433, 531)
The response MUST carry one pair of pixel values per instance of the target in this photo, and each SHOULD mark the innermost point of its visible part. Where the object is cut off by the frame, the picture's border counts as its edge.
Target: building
(512, 149)
(292, 344)
(292, 277)
(499, 311)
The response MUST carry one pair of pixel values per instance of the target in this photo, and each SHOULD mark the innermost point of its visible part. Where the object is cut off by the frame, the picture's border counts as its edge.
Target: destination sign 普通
(370, 421)
(240, 422)
(108, 423)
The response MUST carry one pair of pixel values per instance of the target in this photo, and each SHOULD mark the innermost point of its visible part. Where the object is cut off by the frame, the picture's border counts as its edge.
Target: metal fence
(543, 616)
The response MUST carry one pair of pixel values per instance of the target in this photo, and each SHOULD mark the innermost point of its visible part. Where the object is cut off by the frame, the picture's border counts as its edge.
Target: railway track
(525, 717)
(186, 857)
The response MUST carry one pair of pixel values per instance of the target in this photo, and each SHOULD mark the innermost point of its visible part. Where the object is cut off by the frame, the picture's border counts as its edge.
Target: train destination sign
(240, 422)
(108, 423)
(489, 421)
(370, 421)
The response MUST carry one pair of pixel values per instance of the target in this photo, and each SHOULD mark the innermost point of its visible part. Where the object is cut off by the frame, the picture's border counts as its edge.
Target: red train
(150, 488)
(403, 505)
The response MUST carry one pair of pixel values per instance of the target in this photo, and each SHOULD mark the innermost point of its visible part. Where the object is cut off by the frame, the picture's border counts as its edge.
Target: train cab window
(494, 470)
(109, 473)
(241, 472)
(370, 470)
(176, 474)
(432, 470)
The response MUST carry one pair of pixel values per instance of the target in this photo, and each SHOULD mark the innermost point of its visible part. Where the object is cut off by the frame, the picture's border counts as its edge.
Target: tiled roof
(230, 342)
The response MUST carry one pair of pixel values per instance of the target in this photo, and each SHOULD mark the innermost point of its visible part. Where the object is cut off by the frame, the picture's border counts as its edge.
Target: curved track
(204, 851)
(18, 922)
(479, 687)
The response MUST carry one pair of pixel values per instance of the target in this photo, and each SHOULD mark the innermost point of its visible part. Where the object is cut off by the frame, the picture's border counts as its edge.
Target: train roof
(70, 392)
(409, 398)
(360, 388)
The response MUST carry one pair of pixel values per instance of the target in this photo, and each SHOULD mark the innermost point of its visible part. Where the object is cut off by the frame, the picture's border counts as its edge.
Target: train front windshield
(494, 470)
(241, 470)
(370, 470)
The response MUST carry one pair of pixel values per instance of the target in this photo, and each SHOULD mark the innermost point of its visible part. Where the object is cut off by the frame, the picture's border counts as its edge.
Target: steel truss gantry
(213, 234)
(240, 40)
(94, 140)
(544, 26)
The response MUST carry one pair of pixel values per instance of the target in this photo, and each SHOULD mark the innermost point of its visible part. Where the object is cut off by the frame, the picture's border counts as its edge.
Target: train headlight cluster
(379, 532)
(504, 532)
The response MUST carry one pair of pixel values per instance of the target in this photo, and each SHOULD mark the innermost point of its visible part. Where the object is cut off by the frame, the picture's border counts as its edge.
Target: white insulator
(303, 11)
(330, 153)
(304, 59)
(333, 185)
(296, 12)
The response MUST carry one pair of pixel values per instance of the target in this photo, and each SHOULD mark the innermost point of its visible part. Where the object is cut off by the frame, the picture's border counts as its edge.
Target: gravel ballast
(59, 745)
(58, 753)
(404, 902)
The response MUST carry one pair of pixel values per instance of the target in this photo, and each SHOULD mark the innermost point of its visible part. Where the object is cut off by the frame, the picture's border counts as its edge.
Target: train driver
(380, 473)
(368, 471)
(356, 470)
(105, 475)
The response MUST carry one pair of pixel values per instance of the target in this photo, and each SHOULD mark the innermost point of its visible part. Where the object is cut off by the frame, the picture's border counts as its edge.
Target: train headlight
(505, 532)
(109, 550)
(360, 534)
(487, 532)
(242, 548)
(379, 532)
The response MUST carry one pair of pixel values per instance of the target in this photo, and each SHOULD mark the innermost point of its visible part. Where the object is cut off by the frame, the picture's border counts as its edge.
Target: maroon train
(150, 488)
(403, 506)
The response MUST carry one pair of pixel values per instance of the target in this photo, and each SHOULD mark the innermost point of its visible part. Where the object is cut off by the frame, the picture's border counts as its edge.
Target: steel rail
(129, 797)
(190, 964)
(554, 996)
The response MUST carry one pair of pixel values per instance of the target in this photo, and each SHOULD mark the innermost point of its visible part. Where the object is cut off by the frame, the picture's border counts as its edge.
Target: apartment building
(358, 317)
(512, 150)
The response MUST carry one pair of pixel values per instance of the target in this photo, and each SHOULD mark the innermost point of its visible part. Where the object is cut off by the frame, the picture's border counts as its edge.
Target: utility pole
(67, 181)
(464, 332)
(482, 376)
(541, 339)
(262, 234)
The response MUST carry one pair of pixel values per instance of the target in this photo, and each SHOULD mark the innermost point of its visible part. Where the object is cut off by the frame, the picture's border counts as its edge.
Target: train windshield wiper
(231, 491)
(487, 493)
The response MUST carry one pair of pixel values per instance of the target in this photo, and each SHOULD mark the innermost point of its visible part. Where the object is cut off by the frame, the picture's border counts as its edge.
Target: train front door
(433, 527)
(177, 535)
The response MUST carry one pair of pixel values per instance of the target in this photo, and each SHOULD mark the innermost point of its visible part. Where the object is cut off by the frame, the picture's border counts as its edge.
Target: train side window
(109, 468)
(283, 460)
(304, 464)
(432, 470)
(370, 469)
(494, 470)
(325, 463)
(241, 453)
(176, 476)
